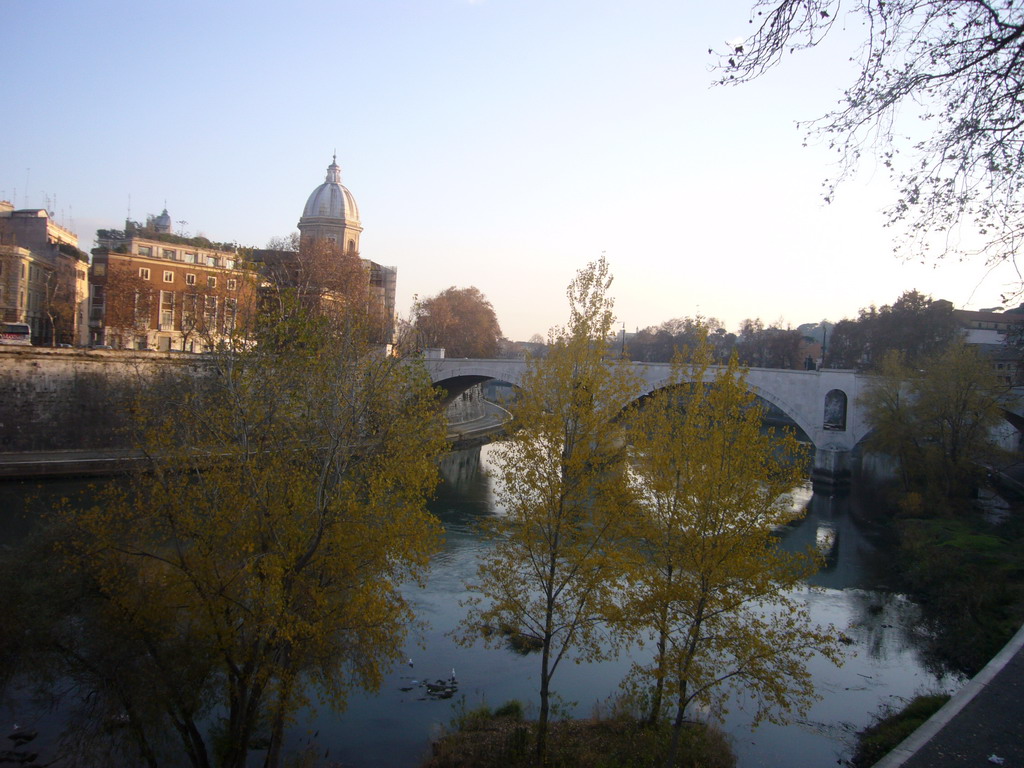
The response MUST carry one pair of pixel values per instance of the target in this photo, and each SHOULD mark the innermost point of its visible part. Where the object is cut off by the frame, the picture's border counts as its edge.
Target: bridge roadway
(824, 404)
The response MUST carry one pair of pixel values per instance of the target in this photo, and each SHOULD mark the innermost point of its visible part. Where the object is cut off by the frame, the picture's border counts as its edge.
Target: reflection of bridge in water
(824, 404)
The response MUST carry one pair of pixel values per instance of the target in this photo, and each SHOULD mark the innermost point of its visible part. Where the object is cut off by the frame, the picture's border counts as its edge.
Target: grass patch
(885, 734)
(505, 740)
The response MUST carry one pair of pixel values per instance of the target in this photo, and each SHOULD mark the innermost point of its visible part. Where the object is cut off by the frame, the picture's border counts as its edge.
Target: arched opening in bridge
(771, 414)
(495, 390)
(835, 411)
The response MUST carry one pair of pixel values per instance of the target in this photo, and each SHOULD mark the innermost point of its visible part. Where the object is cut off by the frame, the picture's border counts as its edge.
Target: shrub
(890, 728)
(512, 709)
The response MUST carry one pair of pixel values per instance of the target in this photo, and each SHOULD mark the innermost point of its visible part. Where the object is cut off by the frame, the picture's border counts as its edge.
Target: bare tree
(957, 66)
(128, 303)
(60, 302)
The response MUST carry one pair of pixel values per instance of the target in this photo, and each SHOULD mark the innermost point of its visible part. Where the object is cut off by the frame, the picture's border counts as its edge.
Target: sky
(500, 144)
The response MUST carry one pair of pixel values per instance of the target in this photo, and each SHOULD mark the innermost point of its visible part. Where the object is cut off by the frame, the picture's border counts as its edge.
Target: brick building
(151, 289)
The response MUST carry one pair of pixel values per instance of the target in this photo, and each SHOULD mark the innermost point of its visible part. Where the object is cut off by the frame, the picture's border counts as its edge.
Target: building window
(189, 316)
(144, 273)
(142, 305)
(230, 311)
(145, 250)
(211, 282)
(190, 279)
(210, 313)
(166, 310)
(96, 310)
(232, 284)
(170, 253)
(190, 258)
(22, 270)
(168, 276)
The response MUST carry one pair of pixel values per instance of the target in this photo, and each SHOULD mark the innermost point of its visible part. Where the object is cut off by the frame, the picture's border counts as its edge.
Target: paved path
(66, 463)
(984, 720)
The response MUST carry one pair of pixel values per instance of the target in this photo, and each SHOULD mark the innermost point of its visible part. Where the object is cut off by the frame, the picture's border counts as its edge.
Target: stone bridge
(824, 404)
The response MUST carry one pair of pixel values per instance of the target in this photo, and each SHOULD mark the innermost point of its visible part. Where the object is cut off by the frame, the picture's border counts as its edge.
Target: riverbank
(963, 561)
(980, 724)
(502, 739)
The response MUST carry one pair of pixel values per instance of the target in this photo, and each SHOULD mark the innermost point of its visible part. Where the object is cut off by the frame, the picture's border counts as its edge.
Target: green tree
(936, 418)
(708, 580)
(955, 67)
(658, 344)
(461, 320)
(888, 409)
(550, 574)
(282, 505)
(915, 326)
(771, 347)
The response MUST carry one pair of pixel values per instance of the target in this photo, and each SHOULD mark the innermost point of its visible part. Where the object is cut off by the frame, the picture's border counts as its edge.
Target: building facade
(150, 289)
(43, 276)
(999, 336)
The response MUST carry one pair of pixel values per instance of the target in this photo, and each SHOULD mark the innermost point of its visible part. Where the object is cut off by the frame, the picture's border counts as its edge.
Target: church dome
(331, 200)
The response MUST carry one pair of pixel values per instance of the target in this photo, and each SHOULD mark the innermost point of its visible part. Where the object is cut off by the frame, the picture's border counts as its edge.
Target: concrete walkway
(982, 724)
(66, 463)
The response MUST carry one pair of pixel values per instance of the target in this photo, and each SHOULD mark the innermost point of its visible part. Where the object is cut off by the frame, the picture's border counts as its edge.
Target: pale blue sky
(495, 143)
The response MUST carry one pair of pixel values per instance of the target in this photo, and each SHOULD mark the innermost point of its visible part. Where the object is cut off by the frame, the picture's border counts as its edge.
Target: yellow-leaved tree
(707, 579)
(262, 549)
(551, 572)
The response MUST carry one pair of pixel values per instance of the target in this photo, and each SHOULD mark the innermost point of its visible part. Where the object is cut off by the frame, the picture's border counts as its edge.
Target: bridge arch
(767, 395)
(460, 375)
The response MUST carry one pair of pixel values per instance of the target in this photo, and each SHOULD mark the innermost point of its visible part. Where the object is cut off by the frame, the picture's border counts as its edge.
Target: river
(882, 666)
(393, 728)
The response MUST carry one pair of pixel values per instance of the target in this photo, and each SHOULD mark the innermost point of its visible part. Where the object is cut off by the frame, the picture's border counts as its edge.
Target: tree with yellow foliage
(262, 549)
(550, 575)
(707, 579)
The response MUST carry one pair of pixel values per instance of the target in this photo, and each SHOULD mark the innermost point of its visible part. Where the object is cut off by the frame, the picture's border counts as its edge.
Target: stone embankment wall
(467, 406)
(62, 399)
(67, 399)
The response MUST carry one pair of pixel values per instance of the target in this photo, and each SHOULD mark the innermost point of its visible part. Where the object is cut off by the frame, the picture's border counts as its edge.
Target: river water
(882, 666)
(393, 728)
